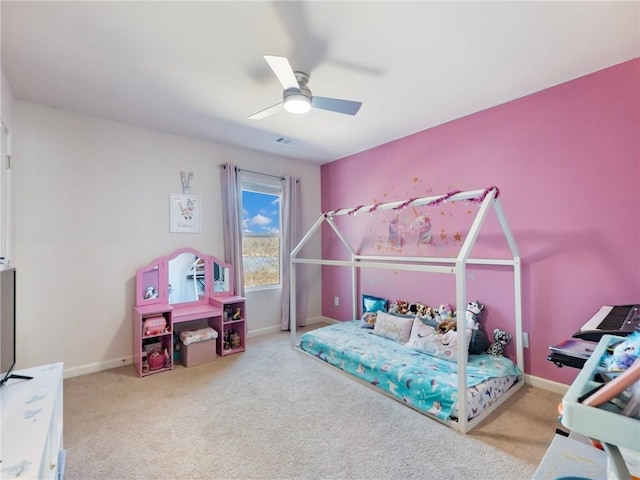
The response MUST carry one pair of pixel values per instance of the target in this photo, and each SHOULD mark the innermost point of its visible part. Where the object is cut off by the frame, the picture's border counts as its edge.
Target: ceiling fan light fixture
(296, 97)
(297, 103)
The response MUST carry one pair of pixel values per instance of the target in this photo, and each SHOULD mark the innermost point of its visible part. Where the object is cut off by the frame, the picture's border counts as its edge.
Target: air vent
(285, 141)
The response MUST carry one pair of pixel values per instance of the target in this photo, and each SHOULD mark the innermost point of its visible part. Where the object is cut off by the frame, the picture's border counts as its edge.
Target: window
(261, 232)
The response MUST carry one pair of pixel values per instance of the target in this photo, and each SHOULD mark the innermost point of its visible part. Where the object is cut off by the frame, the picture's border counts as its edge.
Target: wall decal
(184, 213)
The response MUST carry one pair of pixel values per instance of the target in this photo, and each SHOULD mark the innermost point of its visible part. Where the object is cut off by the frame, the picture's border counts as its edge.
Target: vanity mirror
(221, 278)
(187, 278)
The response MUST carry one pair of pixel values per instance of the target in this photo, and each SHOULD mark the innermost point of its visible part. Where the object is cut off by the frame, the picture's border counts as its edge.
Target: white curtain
(291, 235)
(232, 223)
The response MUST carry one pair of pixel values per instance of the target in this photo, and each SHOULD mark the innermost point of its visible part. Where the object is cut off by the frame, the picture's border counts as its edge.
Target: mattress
(426, 383)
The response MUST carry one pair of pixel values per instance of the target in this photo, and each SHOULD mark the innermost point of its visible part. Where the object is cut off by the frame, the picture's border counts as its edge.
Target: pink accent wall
(567, 163)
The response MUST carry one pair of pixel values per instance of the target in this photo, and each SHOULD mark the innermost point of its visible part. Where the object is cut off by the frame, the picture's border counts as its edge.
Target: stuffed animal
(369, 319)
(150, 293)
(444, 313)
(479, 340)
(429, 313)
(446, 325)
(399, 306)
(501, 339)
(474, 309)
(624, 354)
(418, 308)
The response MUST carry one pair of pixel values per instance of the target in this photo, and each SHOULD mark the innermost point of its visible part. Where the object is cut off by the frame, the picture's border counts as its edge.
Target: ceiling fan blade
(266, 112)
(336, 105)
(283, 70)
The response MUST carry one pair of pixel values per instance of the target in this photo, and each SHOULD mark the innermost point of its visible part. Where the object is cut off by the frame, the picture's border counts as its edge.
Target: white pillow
(393, 327)
(426, 339)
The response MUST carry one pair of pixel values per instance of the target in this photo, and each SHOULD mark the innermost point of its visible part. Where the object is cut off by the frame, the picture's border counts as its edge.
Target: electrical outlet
(525, 340)
(336, 301)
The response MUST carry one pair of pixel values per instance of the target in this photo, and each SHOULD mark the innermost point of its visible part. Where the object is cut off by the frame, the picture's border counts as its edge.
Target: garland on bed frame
(408, 203)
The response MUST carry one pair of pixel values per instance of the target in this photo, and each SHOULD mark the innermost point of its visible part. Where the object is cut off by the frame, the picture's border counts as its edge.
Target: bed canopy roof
(487, 199)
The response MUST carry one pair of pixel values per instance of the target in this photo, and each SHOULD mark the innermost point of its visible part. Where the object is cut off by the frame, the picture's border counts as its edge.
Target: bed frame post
(517, 281)
(461, 306)
(292, 277)
(292, 300)
(461, 295)
(354, 289)
(518, 313)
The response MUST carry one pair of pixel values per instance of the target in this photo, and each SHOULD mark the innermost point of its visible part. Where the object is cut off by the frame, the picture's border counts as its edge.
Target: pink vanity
(185, 290)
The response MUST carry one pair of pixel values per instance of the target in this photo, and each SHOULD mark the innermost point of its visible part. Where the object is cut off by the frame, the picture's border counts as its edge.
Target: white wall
(6, 181)
(91, 206)
(6, 102)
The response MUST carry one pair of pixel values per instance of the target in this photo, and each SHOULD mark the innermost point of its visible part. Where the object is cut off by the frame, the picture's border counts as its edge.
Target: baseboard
(545, 384)
(276, 328)
(322, 319)
(108, 365)
(319, 319)
(314, 320)
(96, 367)
(263, 331)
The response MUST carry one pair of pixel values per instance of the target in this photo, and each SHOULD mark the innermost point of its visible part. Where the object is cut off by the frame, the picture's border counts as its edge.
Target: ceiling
(197, 68)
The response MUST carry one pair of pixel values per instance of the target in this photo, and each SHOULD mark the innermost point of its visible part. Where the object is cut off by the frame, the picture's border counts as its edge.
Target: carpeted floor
(273, 413)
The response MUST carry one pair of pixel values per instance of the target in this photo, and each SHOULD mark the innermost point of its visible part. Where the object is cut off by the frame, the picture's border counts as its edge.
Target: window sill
(262, 288)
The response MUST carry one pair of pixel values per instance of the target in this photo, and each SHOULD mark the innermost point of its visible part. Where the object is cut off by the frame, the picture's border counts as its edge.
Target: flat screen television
(8, 325)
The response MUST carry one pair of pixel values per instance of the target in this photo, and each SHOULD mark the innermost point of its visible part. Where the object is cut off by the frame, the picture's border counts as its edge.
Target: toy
(624, 353)
(479, 340)
(501, 339)
(399, 306)
(154, 325)
(234, 339)
(150, 293)
(156, 360)
(446, 325)
(429, 313)
(369, 319)
(444, 313)
(237, 315)
(418, 308)
(474, 309)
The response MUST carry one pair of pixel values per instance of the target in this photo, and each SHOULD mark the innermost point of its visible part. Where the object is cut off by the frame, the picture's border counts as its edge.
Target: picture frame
(184, 213)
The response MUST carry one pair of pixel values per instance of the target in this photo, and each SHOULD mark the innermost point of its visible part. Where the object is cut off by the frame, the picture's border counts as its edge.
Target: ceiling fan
(297, 97)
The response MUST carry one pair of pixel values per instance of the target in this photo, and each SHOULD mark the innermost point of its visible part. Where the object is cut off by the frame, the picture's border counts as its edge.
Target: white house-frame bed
(487, 200)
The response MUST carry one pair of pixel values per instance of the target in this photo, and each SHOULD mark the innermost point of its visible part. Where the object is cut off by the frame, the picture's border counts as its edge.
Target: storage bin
(156, 361)
(198, 353)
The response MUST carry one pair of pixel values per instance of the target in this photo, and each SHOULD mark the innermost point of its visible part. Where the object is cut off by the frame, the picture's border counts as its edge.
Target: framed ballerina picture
(184, 213)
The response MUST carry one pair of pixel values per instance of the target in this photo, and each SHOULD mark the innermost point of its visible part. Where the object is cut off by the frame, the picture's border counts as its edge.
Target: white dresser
(31, 425)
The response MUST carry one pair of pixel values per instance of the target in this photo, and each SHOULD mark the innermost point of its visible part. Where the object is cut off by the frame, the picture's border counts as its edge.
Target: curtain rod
(259, 173)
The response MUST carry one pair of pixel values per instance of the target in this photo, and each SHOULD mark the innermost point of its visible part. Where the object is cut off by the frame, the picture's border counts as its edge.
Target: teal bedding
(426, 383)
